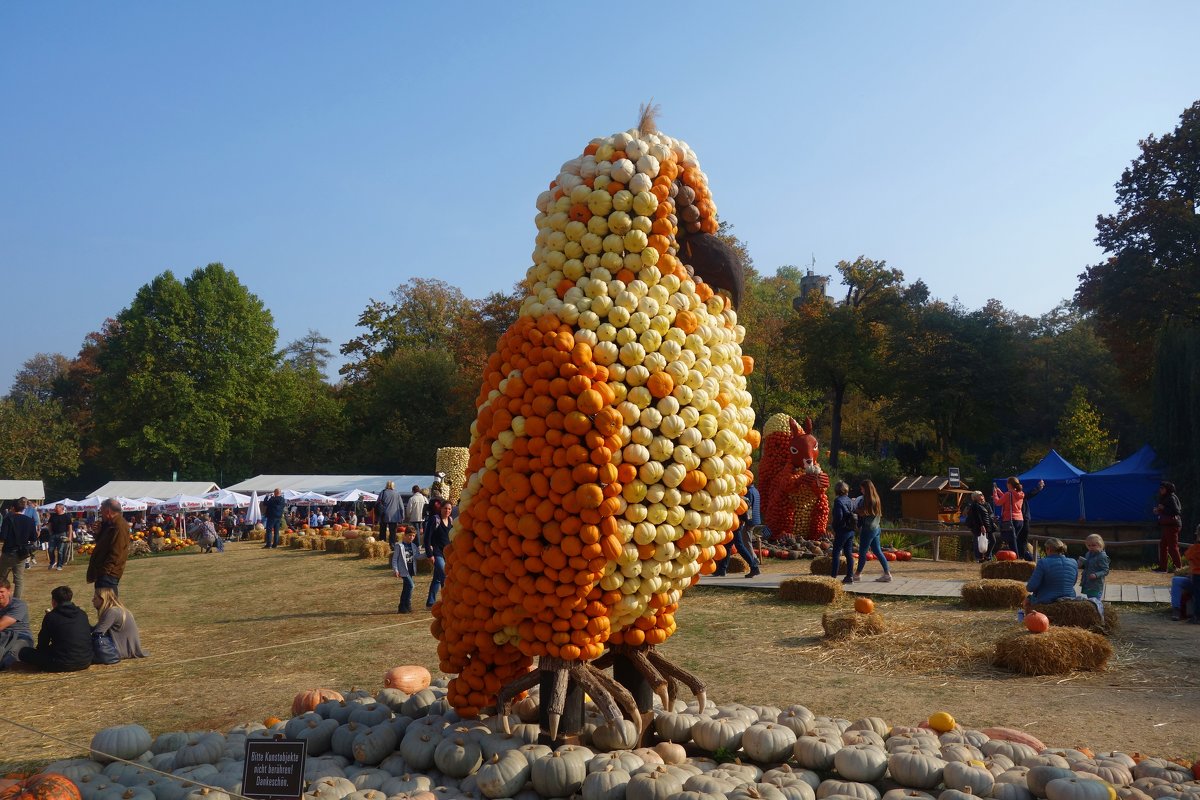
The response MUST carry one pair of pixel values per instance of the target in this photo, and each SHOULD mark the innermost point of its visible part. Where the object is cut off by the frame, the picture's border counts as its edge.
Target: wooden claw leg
(658, 684)
(686, 678)
(507, 694)
(557, 701)
(590, 680)
(619, 695)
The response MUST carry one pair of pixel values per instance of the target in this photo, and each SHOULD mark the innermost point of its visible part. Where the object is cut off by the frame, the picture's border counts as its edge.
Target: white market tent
(356, 495)
(32, 490)
(223, 498)
(144, 489)
(329, 484)
(182, 503)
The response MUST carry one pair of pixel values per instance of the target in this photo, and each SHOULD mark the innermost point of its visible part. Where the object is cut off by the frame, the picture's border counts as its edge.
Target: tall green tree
(1082, 438)
(1176, 392)
(36, 440)
(183, 376)
(38, 376)
(304, 429)
(1152, 272)
(843, 346)
(309, 352)
(766, 312)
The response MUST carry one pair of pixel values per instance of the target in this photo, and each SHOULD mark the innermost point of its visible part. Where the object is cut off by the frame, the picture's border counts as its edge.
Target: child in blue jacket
(1093, 568)
(404, 566)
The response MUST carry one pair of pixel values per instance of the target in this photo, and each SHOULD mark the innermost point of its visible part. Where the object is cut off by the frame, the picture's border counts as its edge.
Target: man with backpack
(19, 534)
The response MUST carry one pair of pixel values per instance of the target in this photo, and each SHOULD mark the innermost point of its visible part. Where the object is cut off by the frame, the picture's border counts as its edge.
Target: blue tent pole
(1082, 507)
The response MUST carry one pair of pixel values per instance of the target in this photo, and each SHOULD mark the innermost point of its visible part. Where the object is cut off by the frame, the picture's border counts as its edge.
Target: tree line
(189, 380)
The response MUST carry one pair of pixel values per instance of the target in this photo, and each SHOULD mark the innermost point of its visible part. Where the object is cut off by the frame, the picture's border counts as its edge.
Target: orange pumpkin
(409, 679)
(1037, 622)
(311, 698)
(43, 786)
(1006, 555)
(864, 605)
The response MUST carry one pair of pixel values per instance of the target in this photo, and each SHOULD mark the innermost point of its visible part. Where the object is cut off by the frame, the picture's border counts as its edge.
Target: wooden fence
(937, 534)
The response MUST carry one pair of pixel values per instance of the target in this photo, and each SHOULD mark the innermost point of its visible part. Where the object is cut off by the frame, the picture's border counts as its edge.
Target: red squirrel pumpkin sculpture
(790, 481)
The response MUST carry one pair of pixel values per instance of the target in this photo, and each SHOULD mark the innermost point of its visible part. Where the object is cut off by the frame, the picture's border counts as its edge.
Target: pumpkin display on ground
(424, 750)
(993, 593)
(790, 481)
(611, 448)
(1057, 651)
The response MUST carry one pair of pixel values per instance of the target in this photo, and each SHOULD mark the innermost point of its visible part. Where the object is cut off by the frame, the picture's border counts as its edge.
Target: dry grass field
(233, 636)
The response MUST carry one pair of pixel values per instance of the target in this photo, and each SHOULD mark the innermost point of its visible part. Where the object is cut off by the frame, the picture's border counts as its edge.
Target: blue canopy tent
(1062, 498)
(1124, 492)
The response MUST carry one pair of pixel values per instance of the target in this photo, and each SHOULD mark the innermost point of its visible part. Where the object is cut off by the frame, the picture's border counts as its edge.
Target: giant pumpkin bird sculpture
(790, 480)
(611, 450)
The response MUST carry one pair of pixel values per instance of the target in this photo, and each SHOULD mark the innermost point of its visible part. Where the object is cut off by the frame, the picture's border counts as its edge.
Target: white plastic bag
(982, 543)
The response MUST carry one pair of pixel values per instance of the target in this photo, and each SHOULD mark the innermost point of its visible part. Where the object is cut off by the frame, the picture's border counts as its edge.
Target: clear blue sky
(327, 152)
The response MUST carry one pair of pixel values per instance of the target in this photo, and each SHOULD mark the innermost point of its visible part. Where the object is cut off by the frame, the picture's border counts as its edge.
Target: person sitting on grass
(64, 643)
(14, 625)
(1054, 576)
(117, 621)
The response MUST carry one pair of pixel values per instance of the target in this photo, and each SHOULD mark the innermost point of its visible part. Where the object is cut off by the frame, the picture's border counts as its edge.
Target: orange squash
(42, 786)
(864, 605)
(409, 678)
(311, 698)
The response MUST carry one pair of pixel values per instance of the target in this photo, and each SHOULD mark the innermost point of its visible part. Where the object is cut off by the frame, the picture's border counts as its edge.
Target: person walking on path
(272, 509)
(64, 643)
(437, 539)
(843, 531)
(1170, 522)
(870, 513)
(391, 512)
(107, 563)
(982, 522)
(741, 537)
(19, 534)
(414, 510)
(60, 537)
(404, 567)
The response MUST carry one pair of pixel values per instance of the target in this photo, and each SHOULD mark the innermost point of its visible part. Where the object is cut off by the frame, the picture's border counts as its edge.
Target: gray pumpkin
(418, 745)
(204, 749)
(370, 714)
(915, 770)
(658, 784)
(863, 763)
(816, 752)
(558, 774)
(457, 756)
(120, 741)
(374, 744)
(319, 735)
(503, 775)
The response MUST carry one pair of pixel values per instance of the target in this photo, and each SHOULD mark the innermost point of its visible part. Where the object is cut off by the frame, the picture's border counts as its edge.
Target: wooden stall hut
(929, 502)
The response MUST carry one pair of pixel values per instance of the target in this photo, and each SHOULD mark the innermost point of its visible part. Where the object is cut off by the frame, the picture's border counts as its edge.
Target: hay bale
(334, 544)
(999, 593)
(821, 565)
(256, 534)
(352, 546)
(1055, 652)
(286, 539)
(1081, 614)
(297, 543)
(304, 542)
(815, 589)
(319, 542)
(848, 624)
(736, 565)
(375, 550)
(1007, 570)
(424, 566)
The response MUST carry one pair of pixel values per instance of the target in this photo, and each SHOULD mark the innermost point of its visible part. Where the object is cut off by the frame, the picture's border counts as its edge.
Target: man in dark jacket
(272, 509)
(390, 506)
(19, 534)
(65, 640)
(107, 563)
